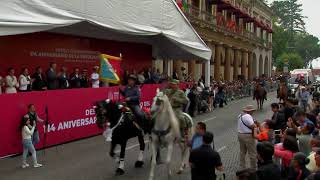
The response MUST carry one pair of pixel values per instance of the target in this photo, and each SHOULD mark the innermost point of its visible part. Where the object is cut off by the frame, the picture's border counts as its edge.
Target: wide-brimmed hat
(132, 77)
(174, 81)
(249, 108)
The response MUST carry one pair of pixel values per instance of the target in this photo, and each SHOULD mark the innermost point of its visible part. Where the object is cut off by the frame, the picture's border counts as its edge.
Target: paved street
(88, 159)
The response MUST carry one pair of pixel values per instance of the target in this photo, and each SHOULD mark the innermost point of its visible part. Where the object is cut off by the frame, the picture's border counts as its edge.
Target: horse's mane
(174, 123)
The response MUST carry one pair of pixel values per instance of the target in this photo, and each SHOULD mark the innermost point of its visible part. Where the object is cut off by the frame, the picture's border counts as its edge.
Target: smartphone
(277, 132)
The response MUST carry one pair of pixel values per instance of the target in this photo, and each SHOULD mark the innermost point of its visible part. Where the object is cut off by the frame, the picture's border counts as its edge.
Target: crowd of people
(285, 146)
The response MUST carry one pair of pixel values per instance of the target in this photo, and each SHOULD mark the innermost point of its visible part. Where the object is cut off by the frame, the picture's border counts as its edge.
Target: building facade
(239, 33)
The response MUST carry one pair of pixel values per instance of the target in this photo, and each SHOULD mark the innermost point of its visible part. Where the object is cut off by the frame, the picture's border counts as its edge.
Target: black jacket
(279, 120)
(39, 82)
(75, 81)
(268, 171)
(133, 93)
(52, 80)
(204, 160)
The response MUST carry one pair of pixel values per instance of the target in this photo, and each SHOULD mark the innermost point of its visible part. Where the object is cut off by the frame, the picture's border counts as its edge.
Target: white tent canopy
(159, 23)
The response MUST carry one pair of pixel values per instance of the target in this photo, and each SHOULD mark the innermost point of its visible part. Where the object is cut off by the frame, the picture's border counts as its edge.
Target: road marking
(133, 146)
(222, 148)
(210, 119)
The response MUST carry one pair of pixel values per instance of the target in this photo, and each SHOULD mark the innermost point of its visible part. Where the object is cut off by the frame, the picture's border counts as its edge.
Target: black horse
(124, 126)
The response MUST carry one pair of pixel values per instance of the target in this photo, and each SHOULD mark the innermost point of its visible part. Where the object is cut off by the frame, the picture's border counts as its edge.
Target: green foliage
(307, 46)
(294, 59)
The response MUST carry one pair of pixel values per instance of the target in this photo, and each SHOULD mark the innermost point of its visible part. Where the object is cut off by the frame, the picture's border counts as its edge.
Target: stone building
(239, 32)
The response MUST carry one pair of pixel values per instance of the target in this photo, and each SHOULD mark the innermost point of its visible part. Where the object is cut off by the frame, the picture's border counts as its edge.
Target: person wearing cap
(298, 170)
(246, 129)
(132, 96)
(178, 99)
(303, 97)
(267, 169)
(95, 82)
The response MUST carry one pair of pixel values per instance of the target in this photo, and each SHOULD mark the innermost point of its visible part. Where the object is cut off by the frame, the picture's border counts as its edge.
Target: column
(244, 62)
(250, 64)
(192, 69)
(217, 62)
(165, 66)
(236, 63)
(227, 66)
(207, 73)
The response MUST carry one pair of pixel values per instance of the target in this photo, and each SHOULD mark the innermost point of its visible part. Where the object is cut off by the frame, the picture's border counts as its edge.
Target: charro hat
(174, 81)
(249, 108)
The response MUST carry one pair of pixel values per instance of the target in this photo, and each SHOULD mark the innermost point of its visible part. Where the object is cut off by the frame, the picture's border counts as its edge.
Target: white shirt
(12, 84)
(95, 80)
(248, 120)
(27, 133)
(24, 82)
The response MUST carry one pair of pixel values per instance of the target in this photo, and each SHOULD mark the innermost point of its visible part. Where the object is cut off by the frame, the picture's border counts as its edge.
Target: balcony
(207, 20)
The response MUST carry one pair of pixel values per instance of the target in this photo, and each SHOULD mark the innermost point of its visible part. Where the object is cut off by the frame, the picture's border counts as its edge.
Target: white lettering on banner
(74, 123)
(145, 104)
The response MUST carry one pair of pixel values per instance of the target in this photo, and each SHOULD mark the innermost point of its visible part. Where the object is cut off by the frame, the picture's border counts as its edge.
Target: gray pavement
(88, 159)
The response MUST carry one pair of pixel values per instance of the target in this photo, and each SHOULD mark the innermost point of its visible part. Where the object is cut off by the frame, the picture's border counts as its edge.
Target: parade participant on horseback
(132, 99)
(178, 99)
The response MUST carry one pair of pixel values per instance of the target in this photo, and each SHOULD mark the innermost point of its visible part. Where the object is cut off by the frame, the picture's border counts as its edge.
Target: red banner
(71, 114)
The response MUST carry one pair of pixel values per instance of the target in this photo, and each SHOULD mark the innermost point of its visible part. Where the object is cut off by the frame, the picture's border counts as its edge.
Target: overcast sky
(311, 10)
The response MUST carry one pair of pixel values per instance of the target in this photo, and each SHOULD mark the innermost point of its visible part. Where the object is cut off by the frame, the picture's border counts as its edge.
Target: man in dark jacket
(52, 77)
(132, 98)
(75, 79)
(204, 160)
(38, 80)
(267, 169)
(278, 117)
(63, 78)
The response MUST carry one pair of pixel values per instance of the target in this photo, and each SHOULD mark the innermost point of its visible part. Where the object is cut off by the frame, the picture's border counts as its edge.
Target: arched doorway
(266, 66)
(260, 65)
(254, 66)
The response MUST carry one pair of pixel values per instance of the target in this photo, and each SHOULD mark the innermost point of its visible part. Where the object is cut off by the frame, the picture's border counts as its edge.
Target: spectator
(34, 118)
(247, 142)
(95, 77)
(288, 110)
(141, 78)
(247, 174)
(25, 81)
(175, 75)
(314, 164)
(52, 77)
(302, 121)
(285, 152)
(147, 75)
(155, 76)
(126, 75)
(1, 84)
(11, 82)
(63, 80)
(265, 131)
(204, 160)
(84, 79)
(298, 170)
(38, 80)
(196, 140)
(303, 97)
(314, 176)
(267, 169)
(278, 117)
(27, 131)
(75, 78)
(193, 99)
(305, 137)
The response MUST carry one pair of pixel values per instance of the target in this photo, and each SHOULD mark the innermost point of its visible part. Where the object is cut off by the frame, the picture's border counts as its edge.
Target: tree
(307, 46)
(294, 59)
(289, 14)
(280, 40)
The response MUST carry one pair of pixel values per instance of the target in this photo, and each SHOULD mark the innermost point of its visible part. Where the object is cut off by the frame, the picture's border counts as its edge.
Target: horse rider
(132, 97)
(178, 99)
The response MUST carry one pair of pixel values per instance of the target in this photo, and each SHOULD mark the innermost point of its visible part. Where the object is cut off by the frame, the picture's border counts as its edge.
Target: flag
(183, 4)
(110, 68)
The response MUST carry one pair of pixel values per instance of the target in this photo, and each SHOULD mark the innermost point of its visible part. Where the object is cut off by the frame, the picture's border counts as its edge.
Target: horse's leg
(154, 161)
(184, 156)
(120, 170)
(112, 148)
(170, 150)
(258, 103)
(139, 162)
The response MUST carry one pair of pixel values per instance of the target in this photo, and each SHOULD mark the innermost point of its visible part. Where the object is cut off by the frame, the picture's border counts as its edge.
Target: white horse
(166, 130)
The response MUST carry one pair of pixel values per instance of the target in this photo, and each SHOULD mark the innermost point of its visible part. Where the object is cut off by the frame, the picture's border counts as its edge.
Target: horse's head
(158, 102)
(107, 111)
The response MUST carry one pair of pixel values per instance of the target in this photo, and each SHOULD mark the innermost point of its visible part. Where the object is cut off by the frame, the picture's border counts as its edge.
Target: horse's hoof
(138, 164)
(119, 172)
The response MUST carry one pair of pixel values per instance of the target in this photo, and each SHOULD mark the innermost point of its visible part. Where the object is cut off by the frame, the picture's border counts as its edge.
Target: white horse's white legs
(169, 156)
(140, 156)
(154, 161)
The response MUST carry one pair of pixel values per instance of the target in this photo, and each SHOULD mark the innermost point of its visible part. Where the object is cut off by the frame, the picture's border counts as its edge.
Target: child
(27, 131)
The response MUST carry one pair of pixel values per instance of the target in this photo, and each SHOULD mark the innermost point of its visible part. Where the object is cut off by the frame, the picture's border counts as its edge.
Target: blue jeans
(28, 147)
(35, 138)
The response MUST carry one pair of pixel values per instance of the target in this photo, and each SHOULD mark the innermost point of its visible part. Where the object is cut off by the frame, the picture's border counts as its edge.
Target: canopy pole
(207, 73)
